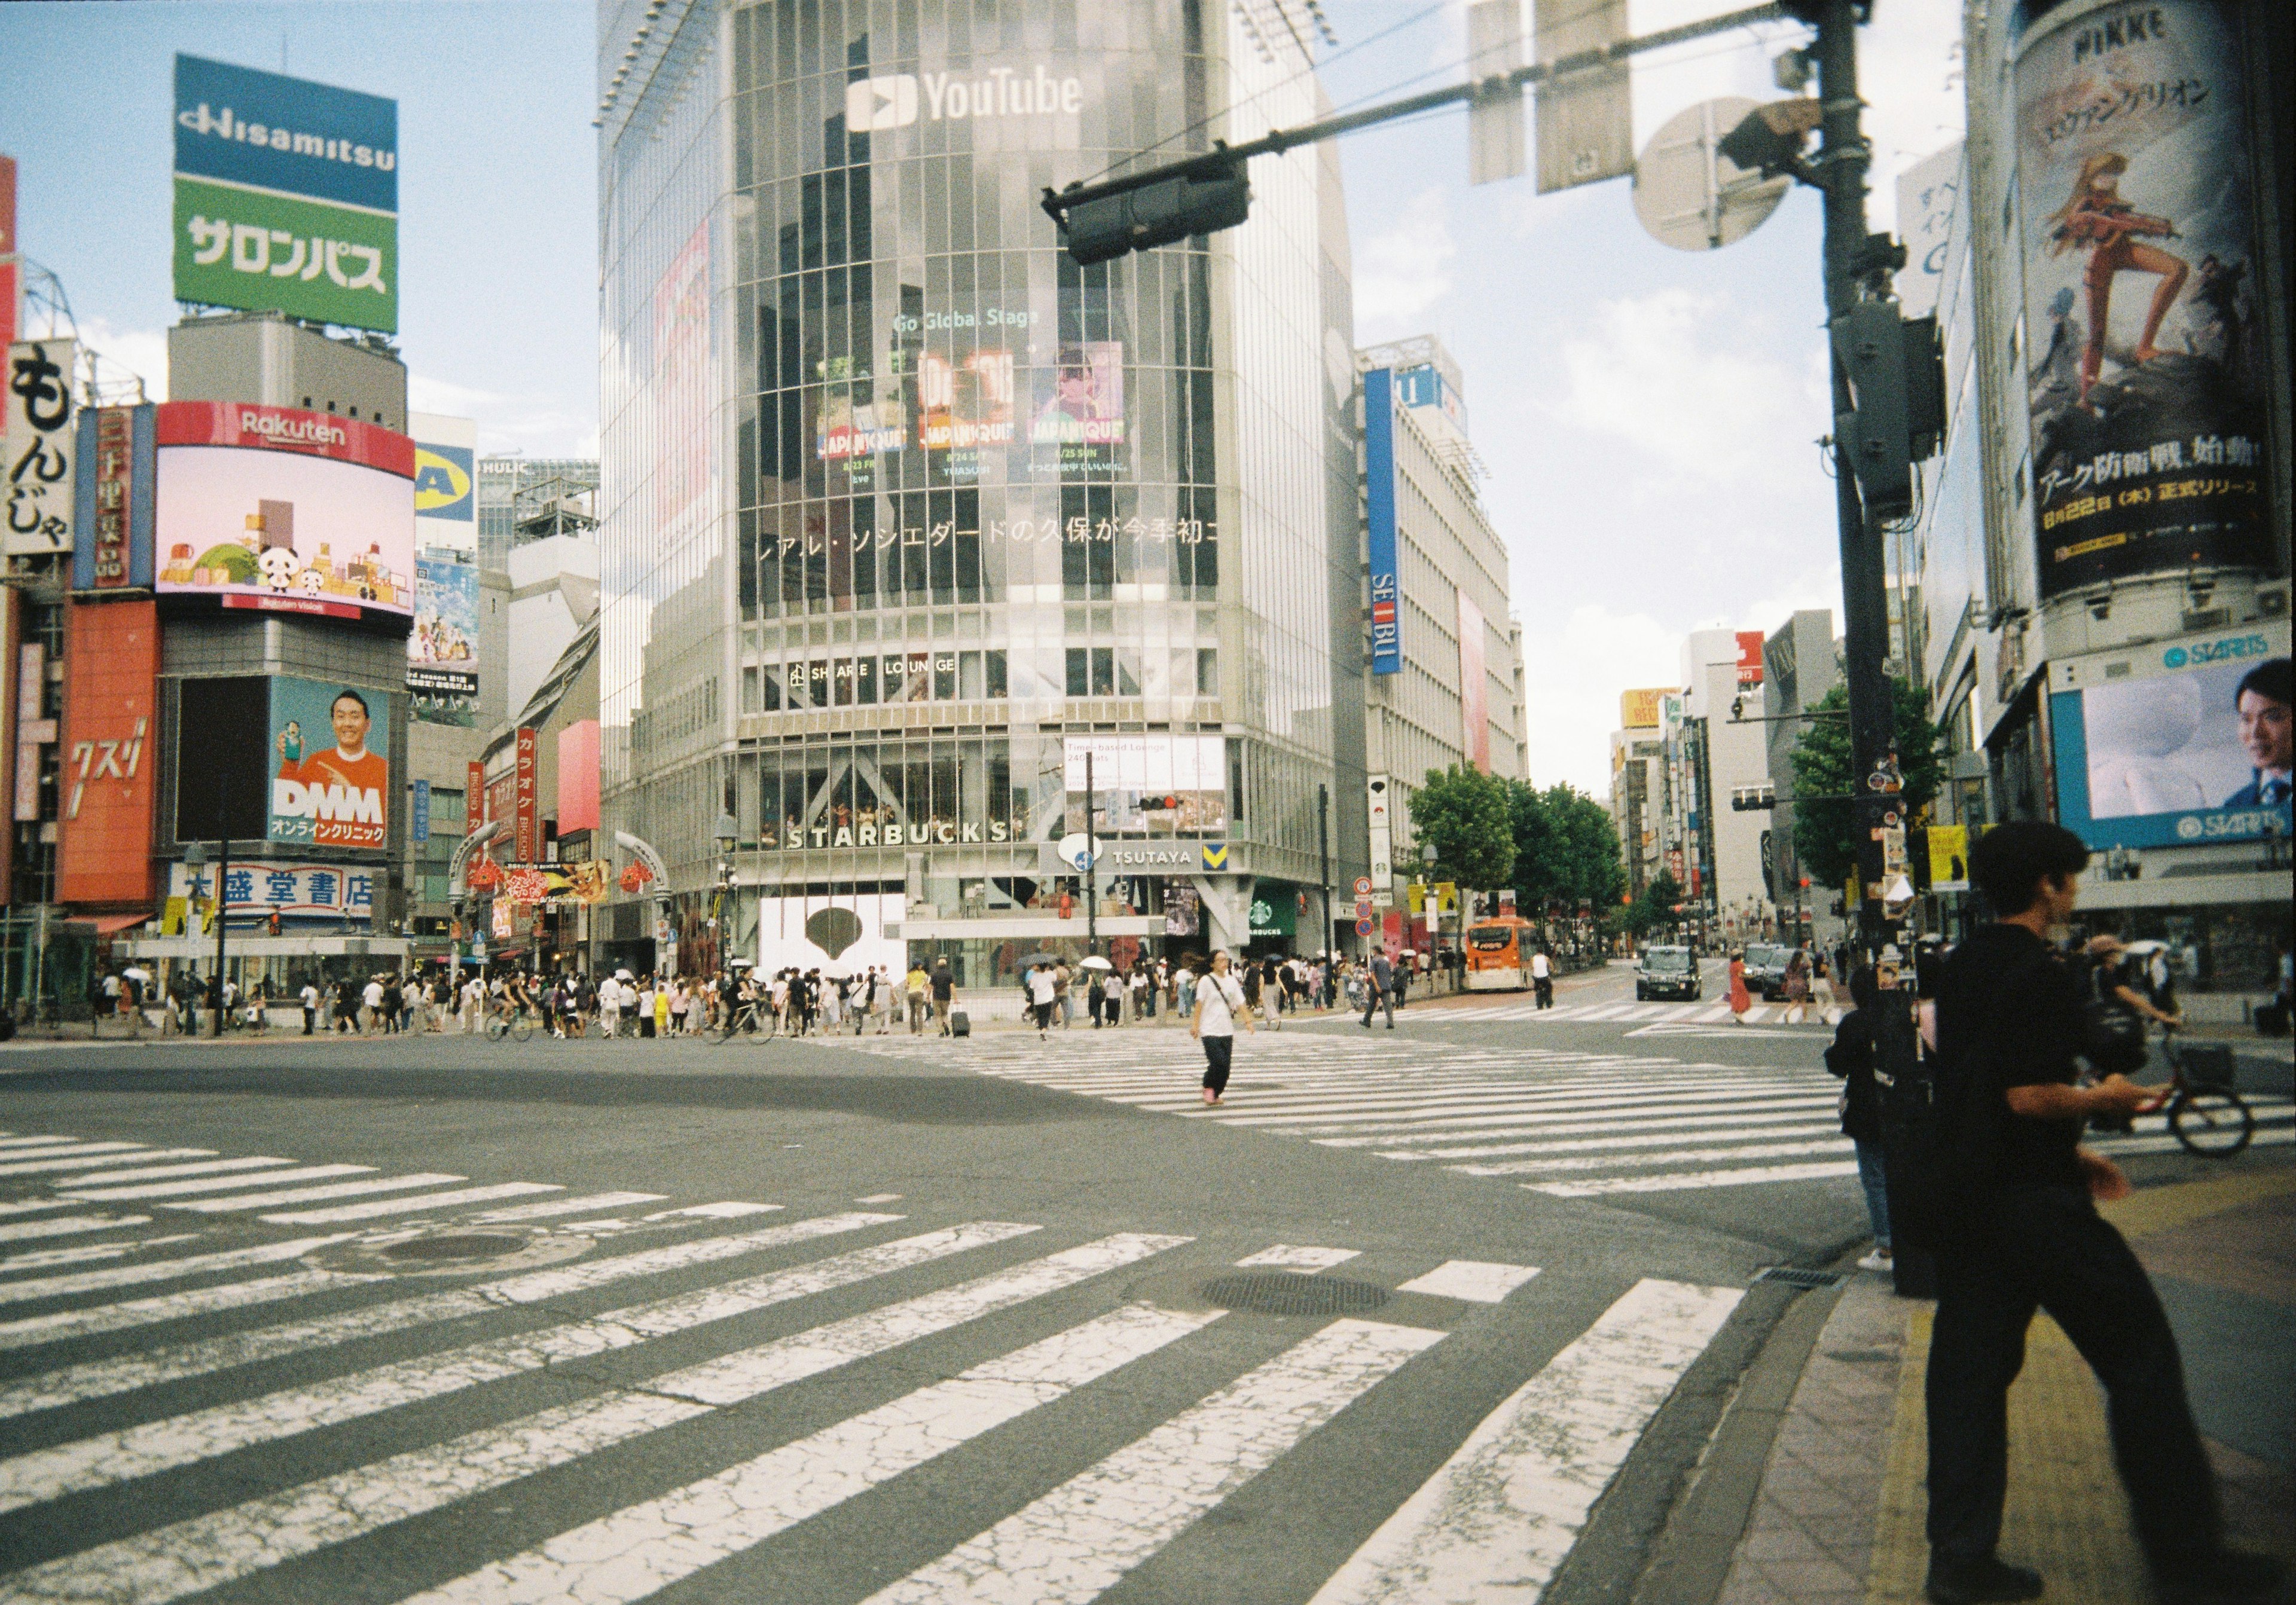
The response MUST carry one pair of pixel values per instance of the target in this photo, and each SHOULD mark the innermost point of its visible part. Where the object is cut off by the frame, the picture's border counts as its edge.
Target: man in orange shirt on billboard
(365, 776)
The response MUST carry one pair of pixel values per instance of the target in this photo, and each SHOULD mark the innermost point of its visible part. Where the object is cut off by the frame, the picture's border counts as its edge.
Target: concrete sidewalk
(1838, 1519)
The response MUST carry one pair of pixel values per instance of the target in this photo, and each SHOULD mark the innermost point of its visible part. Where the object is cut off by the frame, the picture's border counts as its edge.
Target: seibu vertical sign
(528, 827)
(106, 790)
(1379, 521)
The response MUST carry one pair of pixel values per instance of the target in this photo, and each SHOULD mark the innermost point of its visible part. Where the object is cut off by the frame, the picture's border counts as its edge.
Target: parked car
(1667, 972)
(1766, 969)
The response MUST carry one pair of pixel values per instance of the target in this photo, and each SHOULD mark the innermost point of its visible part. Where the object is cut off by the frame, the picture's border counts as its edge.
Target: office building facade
(906, 521)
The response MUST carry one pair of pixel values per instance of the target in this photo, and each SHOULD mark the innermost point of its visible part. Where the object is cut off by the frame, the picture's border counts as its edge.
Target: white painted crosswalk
(942, 1334)
(1567, 1124)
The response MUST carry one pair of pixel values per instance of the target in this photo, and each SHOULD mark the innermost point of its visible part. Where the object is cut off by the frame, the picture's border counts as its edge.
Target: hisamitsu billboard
(286, 196)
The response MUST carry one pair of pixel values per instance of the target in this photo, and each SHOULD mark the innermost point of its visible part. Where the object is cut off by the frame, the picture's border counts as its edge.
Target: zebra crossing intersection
(297, 1414)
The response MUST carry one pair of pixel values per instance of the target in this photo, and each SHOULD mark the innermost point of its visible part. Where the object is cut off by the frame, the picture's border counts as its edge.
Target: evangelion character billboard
(282, 511)
(2146, 364)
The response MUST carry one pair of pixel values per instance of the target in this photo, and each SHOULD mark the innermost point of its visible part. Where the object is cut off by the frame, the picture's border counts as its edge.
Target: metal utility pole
(1091, 862)
(1324, 860)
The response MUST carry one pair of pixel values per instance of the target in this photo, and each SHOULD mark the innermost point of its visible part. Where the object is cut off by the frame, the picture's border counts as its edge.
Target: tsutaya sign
(894, 102)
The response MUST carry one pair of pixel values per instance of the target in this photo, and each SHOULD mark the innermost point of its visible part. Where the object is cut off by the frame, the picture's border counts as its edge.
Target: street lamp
(728, 833)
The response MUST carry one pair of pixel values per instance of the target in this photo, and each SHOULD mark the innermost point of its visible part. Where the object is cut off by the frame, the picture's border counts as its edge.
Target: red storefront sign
(285, 429)
(474, 798)
(529, 772)
(111, 664)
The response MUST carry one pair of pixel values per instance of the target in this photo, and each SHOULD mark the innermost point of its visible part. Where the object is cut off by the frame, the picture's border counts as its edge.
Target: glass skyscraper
(904, 516)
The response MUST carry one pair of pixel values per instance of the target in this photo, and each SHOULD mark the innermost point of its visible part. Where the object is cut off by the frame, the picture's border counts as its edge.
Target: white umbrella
(136, 974)
(624, 975)
(1094, 962)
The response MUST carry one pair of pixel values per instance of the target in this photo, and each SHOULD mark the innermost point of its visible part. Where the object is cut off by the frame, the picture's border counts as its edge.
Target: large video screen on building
(276, 509)
(329, 787)
(2174, 744)
(1149, 785)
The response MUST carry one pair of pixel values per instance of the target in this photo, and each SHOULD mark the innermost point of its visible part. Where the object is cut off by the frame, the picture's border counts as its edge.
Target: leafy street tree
(1566, 849)
(1462, 813)
(1654, 909)
(1824, 826)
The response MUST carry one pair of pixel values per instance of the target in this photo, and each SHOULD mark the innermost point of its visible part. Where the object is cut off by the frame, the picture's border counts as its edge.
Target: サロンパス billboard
(330, 788)
(286, 196)
(2146, 356)
(282, 510)
(442, 651)
(2174, 743)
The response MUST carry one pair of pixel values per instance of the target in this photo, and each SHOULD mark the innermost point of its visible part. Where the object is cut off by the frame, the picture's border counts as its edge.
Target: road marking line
(168, 1269)
(306, 1173)
(151, 1368)
(549, 1207)
(1300, 1258)
(1266, 1110)
(879, 1198)
(158, 1173)
(11, 1144)
(411, 1205)
(1445, 1128)
(1681, 1155)
(66, 1225)
(1600, 1144)
(95, 1156)
(1081, 1538)
(645, 1547)
(108, 1459)
(307, 1195)
(1708, 1016)
(31, 1332)
(1533, 1105)
(1478, 1280)
(1497, 1520)
(205, 1551)
(1703, 1178)
(34, 1206)
(1680, 1126)
(731, 1210)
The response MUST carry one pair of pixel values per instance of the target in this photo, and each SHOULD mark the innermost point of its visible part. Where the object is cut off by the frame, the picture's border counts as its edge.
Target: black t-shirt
(944, 986)
(2009, 1015)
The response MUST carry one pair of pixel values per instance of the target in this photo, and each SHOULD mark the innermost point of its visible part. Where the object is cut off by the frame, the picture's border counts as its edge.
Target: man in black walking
(1379, 990)
(2007, 1207)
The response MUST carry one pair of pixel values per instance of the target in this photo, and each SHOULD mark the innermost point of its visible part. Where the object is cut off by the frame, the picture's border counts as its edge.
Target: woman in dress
(1797, 987)
(1741, 1000)
(1219, 1008)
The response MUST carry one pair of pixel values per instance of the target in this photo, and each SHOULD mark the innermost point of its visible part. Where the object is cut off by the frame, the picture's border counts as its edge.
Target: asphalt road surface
(1444, 1312)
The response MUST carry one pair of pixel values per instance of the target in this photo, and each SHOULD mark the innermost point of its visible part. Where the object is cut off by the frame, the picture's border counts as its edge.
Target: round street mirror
(1691, 196)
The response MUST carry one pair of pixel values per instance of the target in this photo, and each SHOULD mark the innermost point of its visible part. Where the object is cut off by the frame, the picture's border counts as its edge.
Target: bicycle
(2208, 1117)
(749, 1019)
(511, 1021)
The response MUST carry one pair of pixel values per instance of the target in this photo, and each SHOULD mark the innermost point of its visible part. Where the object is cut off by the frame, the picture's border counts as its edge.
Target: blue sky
(1648, 414)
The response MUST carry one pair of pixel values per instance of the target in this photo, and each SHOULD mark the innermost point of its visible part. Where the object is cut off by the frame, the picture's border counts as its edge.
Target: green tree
(1654, 909)
(1824, 826)
(1566, 848)
(1462, 812)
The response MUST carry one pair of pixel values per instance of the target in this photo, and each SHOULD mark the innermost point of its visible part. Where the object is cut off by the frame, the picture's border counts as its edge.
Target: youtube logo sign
(875, 103)
(896, 100)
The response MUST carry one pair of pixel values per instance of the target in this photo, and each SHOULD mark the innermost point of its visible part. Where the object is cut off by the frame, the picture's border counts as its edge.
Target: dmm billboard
(286, 196)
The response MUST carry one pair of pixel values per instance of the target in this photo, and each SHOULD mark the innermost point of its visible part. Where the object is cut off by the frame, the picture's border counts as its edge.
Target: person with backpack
(1852, 1058)
(2005, 1197)
(1219, 1007)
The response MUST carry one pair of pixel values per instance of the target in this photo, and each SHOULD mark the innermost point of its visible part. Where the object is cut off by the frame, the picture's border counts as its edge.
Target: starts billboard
(2175, 743)
(282, 510)
(286, 196)
(329, 787)
(442, 653)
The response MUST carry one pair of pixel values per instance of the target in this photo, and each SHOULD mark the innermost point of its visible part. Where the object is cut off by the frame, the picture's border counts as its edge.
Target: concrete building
(1638, 784)
(510, 490)
(1443, 685)
(1714, 746)
(904, 517)
(1801, 661)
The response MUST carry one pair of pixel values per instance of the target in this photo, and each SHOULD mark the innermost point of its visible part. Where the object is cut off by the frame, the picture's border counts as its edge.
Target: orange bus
(1498, 954)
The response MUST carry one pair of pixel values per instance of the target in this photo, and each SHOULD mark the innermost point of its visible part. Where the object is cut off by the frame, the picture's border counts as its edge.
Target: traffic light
(1160, 214)
(1897, 387)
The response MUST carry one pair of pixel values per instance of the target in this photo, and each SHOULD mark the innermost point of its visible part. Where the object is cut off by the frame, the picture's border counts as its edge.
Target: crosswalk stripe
(157, 1173)
(144, 1450)
(167, 1270)
(1081, 1538)
(1695, 1179)
(1708, 1016)
(1500, 1516)
(1533, 1096)
(205, 1551)
(1678, 1156)
(32, 1331)
(152, 1368)
(645, 1547)
(34, 1206)
(1409, 1116)
(550, 1207)
(10, 1144)
(65, 1225)
(1685, 1110)
(226, 1184)
(88, 1254)
(96, 1155)
(1605, 1145)
(374, 1209)
(303, 1195)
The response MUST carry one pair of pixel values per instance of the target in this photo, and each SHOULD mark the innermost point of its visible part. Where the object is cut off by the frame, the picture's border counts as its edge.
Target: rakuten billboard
(276, 509)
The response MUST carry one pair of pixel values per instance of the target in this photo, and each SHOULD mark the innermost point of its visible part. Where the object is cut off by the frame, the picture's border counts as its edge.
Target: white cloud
(1403, 271)
(1573, 687)
(1675, 374)
(540, 426)
(125, 353)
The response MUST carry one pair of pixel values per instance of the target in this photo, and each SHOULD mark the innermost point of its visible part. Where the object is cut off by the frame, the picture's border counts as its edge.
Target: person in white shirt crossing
(1219, 1005)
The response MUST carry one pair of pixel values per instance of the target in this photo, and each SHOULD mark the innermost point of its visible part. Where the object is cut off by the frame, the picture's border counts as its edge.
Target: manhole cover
(469, 1245)
(1288, 1293)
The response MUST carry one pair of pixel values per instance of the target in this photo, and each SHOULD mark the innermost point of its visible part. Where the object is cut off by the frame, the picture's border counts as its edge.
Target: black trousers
(1217, 1052)
(2049, 1247)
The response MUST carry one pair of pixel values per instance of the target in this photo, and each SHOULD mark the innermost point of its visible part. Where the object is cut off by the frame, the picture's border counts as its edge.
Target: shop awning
(102, 925)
